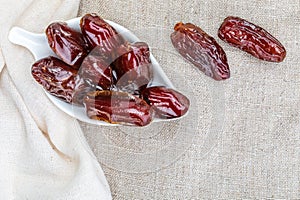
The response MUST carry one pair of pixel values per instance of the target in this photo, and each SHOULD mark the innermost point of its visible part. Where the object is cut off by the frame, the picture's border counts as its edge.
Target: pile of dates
(98, 69)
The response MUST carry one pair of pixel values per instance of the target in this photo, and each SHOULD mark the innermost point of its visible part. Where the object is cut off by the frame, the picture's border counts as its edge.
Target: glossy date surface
(100, 34)
(55, 76)
(133, 67)
(117, 108)
(200, 49)
(67, 43)
(96, 71)
(80, 91)
(167, 103)
(252, 39)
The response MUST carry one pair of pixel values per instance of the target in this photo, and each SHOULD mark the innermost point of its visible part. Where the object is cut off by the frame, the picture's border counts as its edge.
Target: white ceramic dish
(37, 44)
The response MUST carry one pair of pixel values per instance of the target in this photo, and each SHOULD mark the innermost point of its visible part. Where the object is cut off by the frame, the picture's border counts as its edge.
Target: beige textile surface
(243, 140)
(30, 168)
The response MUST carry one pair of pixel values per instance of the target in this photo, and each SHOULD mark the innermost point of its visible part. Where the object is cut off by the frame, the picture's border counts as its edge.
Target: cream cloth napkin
(43, 153)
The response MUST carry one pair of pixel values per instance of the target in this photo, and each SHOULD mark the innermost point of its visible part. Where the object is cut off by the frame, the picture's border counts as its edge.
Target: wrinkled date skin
(133, 67)
(68, 44)
(100, 34)
(96, 71)
(55, 76)
(252, 39)
(200, 49)
(117, 108)
(167, 103)
(80, 91)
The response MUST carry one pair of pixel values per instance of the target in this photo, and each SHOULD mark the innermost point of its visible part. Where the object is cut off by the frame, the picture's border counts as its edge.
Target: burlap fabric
(241, 137)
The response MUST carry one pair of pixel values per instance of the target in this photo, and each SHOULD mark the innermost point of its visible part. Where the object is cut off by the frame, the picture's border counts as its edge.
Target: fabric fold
(32, 127)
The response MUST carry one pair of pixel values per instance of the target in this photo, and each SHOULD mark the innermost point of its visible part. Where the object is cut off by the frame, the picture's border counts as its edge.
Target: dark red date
(133, 67)
(100, 34)
(80, 91)
(96, 71)
(117, 108)
(252, 39)
(55, 76)
(167, 103)
(200, 49)
(67, 43)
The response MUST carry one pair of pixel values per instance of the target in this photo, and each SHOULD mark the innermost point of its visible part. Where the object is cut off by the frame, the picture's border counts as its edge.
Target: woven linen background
(241, 138)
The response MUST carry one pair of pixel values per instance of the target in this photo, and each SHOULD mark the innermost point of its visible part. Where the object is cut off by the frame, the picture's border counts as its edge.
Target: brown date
(252, 39)
(55, 76)
(60, 80)
(67, 43)
(167, 103)
(99, 33)
(96, 71)
(80, 91)
(133, 67)
(201, 50)
(117, 108)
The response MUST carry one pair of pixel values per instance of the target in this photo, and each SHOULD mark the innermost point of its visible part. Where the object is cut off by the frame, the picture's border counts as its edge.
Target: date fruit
(252, 39)
(55, 76)
(201, 50)
(96, 71)
(67, 43)
(99, 33)
(80, 91)
(166, 102)
(117, 108)
(133, 67)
